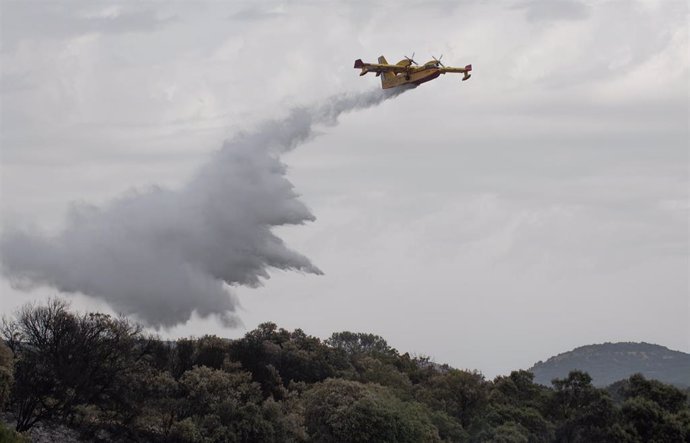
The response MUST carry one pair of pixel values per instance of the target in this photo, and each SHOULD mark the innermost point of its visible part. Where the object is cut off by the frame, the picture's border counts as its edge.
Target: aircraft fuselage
(424, 74)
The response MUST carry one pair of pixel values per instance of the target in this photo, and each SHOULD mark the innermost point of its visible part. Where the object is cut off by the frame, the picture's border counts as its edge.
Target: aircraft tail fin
(467, 75)
(382, 60)
(359, 64)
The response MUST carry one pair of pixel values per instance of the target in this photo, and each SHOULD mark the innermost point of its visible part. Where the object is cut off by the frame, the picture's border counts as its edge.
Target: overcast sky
(540, 206)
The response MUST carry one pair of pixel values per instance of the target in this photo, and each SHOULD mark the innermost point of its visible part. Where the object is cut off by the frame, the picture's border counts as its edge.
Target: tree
(10, 436)
(668, 397)
(228, 406)
(519, 388)
(582, 412)
(163, 403)
(372, 370)
(212, 351)
(649, 422)
(653, 411)
(510, 432)
(519, 404)
(275, 357)
(6, 373)
(354, 343)
(348, 411)
(183, 358)
(460, 394)
(64, 360)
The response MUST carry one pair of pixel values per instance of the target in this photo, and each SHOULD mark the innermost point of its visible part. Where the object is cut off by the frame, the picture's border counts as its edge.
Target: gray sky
(540, 206)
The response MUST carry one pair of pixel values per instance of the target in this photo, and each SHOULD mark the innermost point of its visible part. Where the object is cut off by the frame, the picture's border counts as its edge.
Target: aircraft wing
(379, 68)
(466, 70)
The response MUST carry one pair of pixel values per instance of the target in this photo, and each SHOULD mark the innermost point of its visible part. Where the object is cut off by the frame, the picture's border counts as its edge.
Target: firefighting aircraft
(403, 73)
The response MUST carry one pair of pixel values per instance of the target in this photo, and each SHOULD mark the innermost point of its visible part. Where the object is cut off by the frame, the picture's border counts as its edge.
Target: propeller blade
(438, 60)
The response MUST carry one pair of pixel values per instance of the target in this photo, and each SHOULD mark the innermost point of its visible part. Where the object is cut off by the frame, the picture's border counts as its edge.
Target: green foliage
(582, 413)
(460, 394)
(210, 351)
(10, 436)
(66, 360)
(6, 373)
(209, 390)
(209, 404)
(185, 431)
(650, 423)
(276, 357)
(519, 388)
(100, 374)
(510, 432)
(354, 343)
(653, 411)
(349, 411)
(668, 397)
(162, 406)
(183, 358)
(517, 399)
(449, 429)
(372, 370)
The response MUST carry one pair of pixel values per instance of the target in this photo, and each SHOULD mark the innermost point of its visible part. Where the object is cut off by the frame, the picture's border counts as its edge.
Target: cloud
(14, 82)
(65, 20)
(256, 14)
(546, 11)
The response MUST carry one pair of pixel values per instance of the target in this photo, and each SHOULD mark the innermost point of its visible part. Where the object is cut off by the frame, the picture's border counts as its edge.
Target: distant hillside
(610, 362)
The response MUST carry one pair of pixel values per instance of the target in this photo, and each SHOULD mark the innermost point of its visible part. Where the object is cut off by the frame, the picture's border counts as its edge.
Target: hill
(609, 362)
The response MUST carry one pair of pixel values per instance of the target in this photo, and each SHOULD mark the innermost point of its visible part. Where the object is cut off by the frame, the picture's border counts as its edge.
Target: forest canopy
(105, 376)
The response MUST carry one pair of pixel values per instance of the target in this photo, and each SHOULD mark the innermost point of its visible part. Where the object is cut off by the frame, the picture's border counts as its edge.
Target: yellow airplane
(403, 73)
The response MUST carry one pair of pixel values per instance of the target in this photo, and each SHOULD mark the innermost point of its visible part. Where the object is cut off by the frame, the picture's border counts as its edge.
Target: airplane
(403, 73)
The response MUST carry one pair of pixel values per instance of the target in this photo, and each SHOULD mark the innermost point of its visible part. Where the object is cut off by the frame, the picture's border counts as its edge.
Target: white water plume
(162, 254)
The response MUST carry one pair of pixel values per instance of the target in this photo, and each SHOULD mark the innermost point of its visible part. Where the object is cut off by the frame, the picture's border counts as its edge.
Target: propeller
(411, 59)
(438, 60)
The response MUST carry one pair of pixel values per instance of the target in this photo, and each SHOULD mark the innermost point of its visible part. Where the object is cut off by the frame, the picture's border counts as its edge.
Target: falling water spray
(162, 254)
